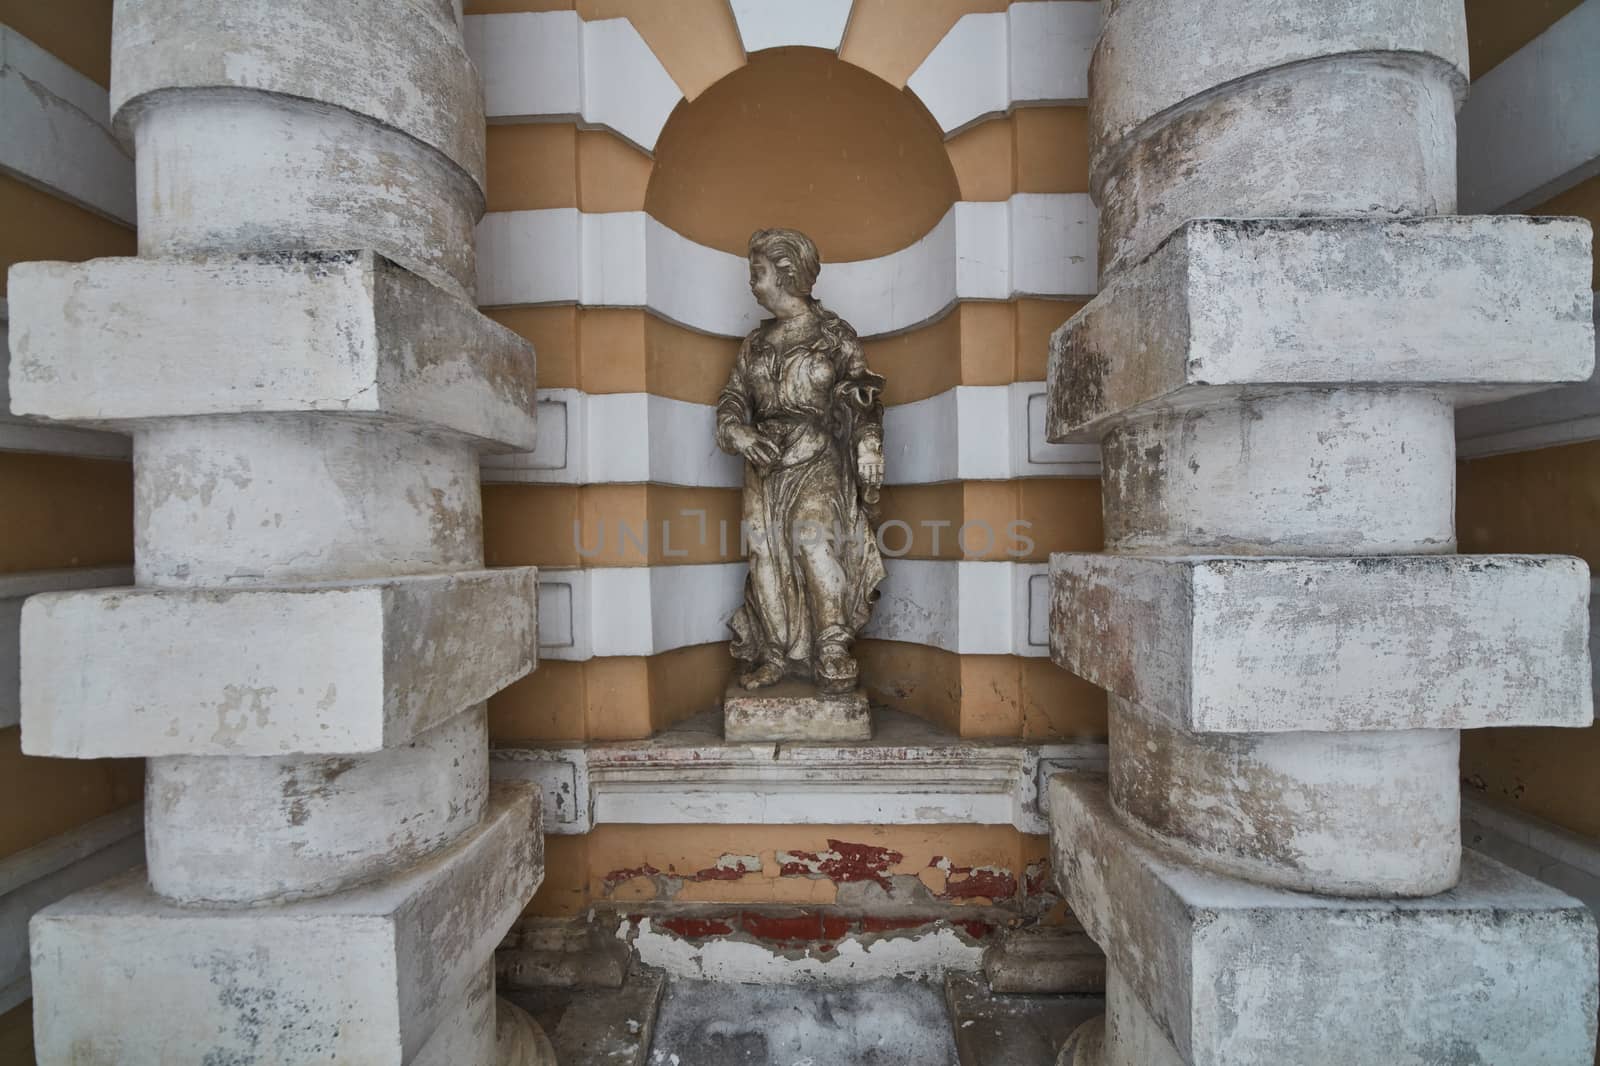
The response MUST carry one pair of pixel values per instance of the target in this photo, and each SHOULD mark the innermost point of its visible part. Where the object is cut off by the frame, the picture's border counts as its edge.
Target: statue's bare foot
(762, 676)
(837, 671)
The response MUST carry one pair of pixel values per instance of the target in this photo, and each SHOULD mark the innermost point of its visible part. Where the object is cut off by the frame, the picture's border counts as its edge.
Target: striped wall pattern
(626, 504)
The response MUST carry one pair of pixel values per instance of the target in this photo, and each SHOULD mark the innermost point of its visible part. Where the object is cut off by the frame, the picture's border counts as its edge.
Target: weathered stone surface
(340, 332)
(1261, 148)
(14, 591)
(518, 1039)
(1487, 306)
(258, 173)
(992, 1029)
(1130, 1036)
(599, 1026)
(368, 975)
(793, 710)
(468, 1035)
(1291, 472)
(1045, 960)
(1086, 1045)
(331, 669)
(425, 86)
(1349, 813)
(1501, 969)
(288, 499)
(256, 830)
(1265, 645)
(1155, 54)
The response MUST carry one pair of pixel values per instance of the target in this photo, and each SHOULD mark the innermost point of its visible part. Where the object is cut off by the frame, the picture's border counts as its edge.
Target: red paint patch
(975, 929)
(696, 928)
(835, 927)
(872, 924)
(1037, 879)
(843, 862)
(782, 929)
(720, 873)
(617, 877)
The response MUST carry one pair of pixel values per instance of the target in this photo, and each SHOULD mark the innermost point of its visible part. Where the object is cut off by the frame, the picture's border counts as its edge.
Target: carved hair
(792, 254)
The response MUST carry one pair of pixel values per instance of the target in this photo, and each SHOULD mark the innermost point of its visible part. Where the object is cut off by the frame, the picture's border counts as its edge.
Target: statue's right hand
(761, 451)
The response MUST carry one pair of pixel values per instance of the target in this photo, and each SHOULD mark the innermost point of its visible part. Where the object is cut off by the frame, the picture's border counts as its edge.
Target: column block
(1500, 969)
(1264, 645)
(425, 86)
(345, 332)
(365, 976)
(336, 668)
(1224, 308)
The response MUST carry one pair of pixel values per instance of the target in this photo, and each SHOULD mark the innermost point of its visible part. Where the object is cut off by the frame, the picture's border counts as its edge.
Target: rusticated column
(1288, 316)
(306, 652)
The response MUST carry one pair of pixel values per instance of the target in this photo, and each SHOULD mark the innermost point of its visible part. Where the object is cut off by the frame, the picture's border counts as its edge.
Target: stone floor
(650, 1021)
(881, 1023)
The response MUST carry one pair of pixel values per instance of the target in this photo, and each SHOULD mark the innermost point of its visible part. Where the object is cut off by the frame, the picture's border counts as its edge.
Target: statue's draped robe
(814, 560)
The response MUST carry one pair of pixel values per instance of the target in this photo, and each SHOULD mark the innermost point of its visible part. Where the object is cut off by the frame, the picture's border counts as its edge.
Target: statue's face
(766, 284)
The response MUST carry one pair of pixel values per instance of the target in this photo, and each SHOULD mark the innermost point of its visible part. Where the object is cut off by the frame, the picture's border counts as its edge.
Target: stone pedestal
(794, 710)
(306, 652)
(1274, 865)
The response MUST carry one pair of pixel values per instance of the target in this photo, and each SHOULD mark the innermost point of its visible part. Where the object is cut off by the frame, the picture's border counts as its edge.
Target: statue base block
(794, 710)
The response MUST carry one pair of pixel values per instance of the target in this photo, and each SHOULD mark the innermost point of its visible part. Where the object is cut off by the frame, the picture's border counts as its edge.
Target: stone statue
(806, 414)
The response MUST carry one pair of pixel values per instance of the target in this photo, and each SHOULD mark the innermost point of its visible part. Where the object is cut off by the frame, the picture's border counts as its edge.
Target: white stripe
(554, 66)
(970, 608)
(989, 64)
(1531, 127)
(969, 433)
(39, 876)
(14, 589)
(1034, 244)
(787, 23)
(55, 131)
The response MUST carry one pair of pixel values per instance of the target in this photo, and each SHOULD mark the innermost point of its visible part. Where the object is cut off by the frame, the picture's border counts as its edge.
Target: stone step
(253, 671)
(597, 1026)
(366, 975)
(993, 1029)
(1217, 971)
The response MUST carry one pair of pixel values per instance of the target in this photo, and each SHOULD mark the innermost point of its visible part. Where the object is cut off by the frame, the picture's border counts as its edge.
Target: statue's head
(782, 261)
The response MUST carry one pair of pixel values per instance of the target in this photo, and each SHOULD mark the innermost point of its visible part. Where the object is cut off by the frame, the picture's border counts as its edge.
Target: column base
(370, 975)
(1235, 974)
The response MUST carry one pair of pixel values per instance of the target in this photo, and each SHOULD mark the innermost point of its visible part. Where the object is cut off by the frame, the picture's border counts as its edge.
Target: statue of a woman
(807, 415)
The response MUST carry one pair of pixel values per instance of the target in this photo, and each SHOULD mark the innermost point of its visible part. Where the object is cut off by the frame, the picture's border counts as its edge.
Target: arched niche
(798, 137)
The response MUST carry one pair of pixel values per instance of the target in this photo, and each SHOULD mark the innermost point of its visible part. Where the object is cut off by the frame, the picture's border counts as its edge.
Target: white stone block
(964, 606)
(1370, 814)
(1155, 54)
(22, 434)
(1265, 645)
(638, 610)
(367, 975)
(14, 589)
(268, 830)
(788, 23)
(1490, 305)
(965, 77)
(259, 172)
(55, 130)
(333, 332)
(425, 87)
(332, 669)
(1501, 968)
(1367, 135)
(1050, 44)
